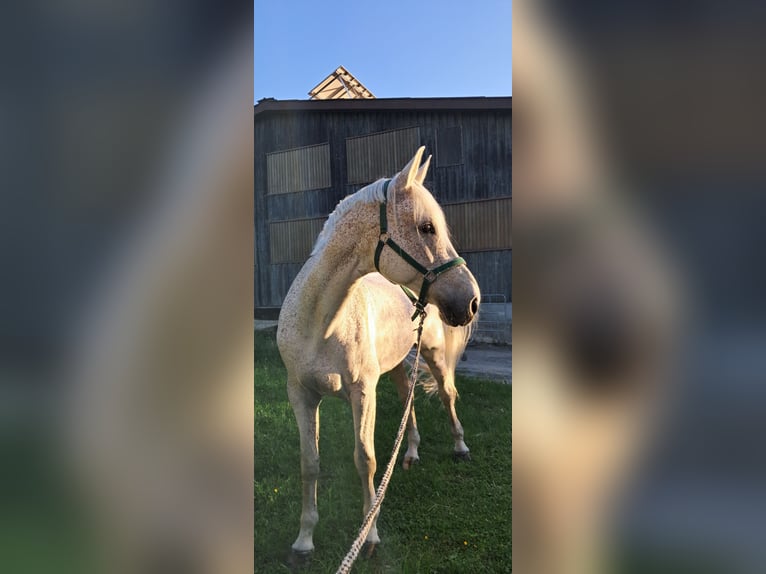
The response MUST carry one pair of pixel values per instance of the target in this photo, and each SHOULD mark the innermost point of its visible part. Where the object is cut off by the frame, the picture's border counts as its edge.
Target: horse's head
(416, 251)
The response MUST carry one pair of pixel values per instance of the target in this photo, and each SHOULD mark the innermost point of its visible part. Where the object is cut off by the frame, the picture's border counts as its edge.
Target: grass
(42, 526)
(440, 516)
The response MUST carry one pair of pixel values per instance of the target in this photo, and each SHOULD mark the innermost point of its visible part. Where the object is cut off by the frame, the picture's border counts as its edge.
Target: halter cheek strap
(429, 275)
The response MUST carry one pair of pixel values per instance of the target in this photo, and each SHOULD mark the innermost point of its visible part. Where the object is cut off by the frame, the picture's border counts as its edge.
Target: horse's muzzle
(457, 296)
(459, 314)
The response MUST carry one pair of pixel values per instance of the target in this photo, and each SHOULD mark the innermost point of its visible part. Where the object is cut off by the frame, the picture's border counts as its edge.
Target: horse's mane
(455, 341)
(372, 193)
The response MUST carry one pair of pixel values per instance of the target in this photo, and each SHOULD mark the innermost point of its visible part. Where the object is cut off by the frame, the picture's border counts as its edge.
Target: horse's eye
(427, 227)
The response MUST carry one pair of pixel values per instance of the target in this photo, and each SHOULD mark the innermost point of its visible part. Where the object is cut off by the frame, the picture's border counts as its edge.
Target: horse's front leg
(399, 375)
(305, 405)
(363, 406)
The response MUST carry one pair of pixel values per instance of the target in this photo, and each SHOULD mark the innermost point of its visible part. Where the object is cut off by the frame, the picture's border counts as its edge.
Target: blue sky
(396, 48)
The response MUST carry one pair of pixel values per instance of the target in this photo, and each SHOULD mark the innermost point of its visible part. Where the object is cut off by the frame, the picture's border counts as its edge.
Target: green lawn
(441, 516)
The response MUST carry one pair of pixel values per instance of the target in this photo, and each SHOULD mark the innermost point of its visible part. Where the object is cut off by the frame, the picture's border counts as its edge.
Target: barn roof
(381, 104)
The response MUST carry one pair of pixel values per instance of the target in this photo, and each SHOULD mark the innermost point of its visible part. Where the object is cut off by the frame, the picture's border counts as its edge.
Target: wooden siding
(449, 146)
(373, 156)
(492, 270)
(475, 226)
(485, 174)
(291, 241)
(299, 169)
(480, 225)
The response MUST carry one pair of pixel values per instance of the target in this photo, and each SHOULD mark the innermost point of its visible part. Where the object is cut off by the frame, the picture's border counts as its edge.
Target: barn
(310, 154)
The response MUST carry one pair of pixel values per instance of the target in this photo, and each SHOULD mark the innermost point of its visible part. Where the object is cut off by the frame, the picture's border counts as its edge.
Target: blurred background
(126, 356)
(127, 286)
(639, 125)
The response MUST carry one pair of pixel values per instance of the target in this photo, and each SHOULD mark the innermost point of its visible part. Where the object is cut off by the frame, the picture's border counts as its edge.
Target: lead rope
(353, 553)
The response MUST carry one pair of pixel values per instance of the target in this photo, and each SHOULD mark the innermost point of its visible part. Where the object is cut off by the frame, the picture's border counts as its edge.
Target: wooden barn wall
(492, 270)
(370, 157)
(291, 241)
(298, 169)
(484, 174)
(483, 225)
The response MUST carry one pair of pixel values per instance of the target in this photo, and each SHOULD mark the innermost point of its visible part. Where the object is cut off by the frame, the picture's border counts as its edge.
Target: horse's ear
(411, 169)
(421, 175)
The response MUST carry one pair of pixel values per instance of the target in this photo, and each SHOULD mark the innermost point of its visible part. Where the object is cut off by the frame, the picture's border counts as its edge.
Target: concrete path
(487, 362)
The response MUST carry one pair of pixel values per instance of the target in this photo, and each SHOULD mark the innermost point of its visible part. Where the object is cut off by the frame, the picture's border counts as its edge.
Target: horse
(342, 325)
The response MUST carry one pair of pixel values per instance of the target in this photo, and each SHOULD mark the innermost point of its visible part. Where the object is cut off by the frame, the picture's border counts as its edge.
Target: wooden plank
(291, 241)
(299, 169)
(382, 154)
(480, 225)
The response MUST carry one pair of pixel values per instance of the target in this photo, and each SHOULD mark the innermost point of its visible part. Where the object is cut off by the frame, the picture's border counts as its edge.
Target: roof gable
(340, 85)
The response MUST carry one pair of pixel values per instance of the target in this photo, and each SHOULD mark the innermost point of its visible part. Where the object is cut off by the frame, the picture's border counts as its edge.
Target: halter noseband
(429, 275)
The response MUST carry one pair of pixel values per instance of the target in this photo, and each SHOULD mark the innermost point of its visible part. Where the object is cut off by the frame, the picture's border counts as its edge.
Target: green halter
(429, 275)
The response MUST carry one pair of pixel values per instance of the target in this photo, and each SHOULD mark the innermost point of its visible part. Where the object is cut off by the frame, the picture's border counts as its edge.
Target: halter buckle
(430, 276)
(383, 237)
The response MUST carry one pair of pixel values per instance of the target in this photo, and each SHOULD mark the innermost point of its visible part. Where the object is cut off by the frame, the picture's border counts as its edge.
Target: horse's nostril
(474, 306)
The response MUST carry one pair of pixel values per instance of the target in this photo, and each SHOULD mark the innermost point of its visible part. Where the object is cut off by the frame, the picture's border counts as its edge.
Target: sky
(396, 48)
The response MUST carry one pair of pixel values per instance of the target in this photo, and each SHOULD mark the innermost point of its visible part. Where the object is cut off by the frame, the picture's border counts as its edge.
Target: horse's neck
(326, 288)
(330, 277)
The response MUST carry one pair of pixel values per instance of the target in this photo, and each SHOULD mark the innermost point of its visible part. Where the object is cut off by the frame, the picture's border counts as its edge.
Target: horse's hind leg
(399, 375)
(305, 405)
(445, 377)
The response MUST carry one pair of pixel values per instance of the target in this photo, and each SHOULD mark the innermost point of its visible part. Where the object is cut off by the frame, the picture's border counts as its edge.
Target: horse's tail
(426, 379)
(455, 341)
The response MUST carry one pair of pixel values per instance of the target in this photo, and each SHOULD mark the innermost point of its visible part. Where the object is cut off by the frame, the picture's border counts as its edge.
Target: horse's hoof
(408, 462)
(299, 560)
(461, 456)
(369, 549)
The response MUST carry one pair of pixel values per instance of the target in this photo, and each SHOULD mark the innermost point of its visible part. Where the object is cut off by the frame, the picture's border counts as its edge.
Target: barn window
(449, 146)
(299, 169)
(483, 225)
(292, 241)
(380, 154)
